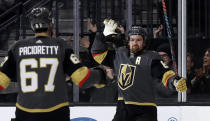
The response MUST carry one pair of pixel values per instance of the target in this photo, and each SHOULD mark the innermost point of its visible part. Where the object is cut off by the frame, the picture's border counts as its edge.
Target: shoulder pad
(121, 50)
(154, 55)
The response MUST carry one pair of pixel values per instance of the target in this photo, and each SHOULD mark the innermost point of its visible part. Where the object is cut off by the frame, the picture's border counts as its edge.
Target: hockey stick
(54, 18)
(181, 96)
(169, 36)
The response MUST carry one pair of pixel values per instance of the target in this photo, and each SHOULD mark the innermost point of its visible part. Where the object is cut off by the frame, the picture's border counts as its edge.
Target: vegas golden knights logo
(126, 76)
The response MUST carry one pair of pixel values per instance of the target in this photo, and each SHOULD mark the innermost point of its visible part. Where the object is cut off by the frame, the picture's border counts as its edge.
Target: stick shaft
(169, 35)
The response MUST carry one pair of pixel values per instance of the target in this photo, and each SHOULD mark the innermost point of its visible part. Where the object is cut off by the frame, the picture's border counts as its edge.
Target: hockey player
(136, 70)
(40, 65)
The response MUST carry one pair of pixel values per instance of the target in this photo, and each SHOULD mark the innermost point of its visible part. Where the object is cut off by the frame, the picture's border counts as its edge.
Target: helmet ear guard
(137, 30)
(40, 19)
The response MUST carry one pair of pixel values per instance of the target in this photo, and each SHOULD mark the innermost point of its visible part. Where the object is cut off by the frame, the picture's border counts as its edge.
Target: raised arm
(100, 49)
(81, 75)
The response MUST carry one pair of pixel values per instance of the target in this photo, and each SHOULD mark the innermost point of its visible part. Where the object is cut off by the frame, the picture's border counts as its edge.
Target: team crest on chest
(126, 76)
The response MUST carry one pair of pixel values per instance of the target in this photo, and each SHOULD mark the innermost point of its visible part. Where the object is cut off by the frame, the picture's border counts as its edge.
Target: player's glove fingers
(181, 88)
(111, 22)
(180, 85)
(106, 21)
(109, 27)
(115, 25)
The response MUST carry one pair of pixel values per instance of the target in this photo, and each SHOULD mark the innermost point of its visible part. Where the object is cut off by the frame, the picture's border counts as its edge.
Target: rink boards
(106, 113)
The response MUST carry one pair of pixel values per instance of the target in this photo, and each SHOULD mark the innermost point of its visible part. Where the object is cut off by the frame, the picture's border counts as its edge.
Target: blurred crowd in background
(198, 65)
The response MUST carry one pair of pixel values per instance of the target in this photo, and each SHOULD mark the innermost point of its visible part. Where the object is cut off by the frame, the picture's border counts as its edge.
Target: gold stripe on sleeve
(79, 75)
(100, 57)
(120, 98)
(4, 80)
(166, 76)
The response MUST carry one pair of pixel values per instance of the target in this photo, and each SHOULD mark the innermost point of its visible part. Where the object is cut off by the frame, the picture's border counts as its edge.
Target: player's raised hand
(110, 27)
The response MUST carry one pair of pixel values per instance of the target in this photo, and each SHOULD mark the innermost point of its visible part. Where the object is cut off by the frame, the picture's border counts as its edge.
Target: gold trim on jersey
(166, 76)
(79, 75)
(99, 85)
(100, 57)
(42, 110)
(4, 80)
(138, 103)
(120, 98)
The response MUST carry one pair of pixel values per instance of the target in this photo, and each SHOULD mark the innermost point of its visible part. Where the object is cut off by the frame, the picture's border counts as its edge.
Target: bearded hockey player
(136, 70)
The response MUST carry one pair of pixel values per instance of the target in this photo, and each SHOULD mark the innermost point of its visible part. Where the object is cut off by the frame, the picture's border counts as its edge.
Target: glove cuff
(176, 79)
(108, 33)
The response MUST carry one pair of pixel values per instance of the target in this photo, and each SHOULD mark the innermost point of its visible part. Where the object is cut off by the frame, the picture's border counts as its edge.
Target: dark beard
(135, 50)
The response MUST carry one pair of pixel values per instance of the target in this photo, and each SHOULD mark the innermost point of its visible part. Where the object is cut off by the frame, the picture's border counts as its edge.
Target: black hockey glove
(106, 79)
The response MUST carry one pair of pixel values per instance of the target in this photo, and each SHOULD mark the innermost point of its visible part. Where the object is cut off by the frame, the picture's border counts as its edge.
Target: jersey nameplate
(38, 50)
